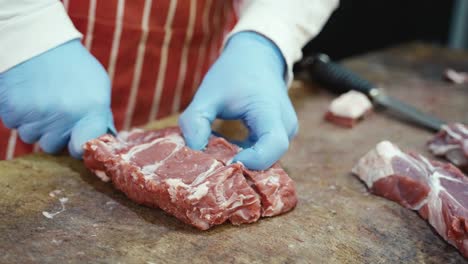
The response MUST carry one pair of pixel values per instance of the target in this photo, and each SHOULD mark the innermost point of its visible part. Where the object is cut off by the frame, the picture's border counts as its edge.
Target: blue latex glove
(58, 97)
(246, 82)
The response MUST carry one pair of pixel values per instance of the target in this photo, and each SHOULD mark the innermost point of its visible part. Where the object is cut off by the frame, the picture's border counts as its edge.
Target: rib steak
(157, 169)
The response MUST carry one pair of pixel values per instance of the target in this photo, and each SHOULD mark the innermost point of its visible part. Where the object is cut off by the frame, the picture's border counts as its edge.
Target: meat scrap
(348, 109)
(456, 77)
(438, 191)
(203, 189)
(452, 143)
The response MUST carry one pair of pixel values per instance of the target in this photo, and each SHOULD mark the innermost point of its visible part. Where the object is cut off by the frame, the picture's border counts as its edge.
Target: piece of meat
(452, 143)
(438, 191)
(456, 77)
(348, 109)
(276, 189)
(203, 189)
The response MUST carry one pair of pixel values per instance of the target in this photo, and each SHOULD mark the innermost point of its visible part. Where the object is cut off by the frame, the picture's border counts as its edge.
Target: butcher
(73, 70)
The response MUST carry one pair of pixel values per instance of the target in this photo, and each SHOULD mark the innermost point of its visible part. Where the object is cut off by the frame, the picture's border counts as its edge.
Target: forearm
(288, 24)
(29, 28)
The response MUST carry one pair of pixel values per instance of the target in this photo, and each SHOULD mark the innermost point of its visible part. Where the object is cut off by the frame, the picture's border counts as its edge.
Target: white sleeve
(31, 27)
(290, 24)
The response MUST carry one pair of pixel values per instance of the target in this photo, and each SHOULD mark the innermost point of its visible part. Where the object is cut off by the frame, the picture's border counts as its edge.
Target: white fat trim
(199, 192)
(138, 148)
(102, 175)
(456, 77)
(451, 133)
(421, 204)
(177, 183)
(149, 170)
(435, 205)
(233, 198)
(376, 164)
(442, 149)
(241, 213)
(442, 176)
(427, 163)
(352, 104)
(202, 176)
(237, 200)
(173, 185)
(274, 179)
(437, 186)
(462, 128)
(459, 158)
(387, 150)
(173, 138)
(278, 205)
(219, 190)
(423, 166)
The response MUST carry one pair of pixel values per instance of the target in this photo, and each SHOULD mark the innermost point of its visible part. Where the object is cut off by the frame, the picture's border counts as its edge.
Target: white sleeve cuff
(289, 24)
(29, 35)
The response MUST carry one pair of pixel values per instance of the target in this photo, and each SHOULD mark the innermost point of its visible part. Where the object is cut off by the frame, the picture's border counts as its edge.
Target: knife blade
(338, 79)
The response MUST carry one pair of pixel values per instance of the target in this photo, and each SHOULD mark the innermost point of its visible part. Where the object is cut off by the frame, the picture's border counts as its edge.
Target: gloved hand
(58, 97)
(246, 82)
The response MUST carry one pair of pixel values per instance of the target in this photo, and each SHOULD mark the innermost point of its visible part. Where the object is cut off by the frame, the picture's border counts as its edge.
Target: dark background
(360, 26)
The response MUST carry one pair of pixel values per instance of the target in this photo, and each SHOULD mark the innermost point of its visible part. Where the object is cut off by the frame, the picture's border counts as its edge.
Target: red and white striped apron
(155, 51)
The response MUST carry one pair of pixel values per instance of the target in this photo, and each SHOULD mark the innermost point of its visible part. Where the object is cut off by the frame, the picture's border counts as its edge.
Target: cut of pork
(452, 143)
(157, 169)
(348, 109)
(438, 191)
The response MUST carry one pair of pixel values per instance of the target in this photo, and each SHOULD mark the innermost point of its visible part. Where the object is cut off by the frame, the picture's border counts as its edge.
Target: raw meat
(455, 76)
(202, 189)
(452, 143)
(348, 108)
(438, 191)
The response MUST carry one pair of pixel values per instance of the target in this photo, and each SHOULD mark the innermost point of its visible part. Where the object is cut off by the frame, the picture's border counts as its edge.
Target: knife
(338, 79)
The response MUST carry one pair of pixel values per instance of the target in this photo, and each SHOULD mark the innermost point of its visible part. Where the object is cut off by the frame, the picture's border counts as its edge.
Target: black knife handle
(334, 76)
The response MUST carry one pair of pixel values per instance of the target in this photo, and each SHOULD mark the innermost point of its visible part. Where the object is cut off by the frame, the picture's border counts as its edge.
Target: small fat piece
(456, 77)
(348, 108)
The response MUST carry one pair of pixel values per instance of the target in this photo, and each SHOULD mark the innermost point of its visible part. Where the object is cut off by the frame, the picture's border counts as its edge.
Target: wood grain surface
(336, 220)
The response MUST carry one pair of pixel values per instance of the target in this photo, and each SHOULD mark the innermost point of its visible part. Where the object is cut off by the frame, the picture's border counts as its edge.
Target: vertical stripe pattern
(183, 63)
(217, 25)
(138, 65)
(66, 3)
(202, 52)
(156, 53)
(10, 151)
(116, 39)
(163, 61)
(36, 147)
(91, 20)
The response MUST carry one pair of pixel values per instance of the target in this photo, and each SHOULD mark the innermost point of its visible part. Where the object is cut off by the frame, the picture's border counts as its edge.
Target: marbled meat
(438, 191)
(203, 189)
(452, 143)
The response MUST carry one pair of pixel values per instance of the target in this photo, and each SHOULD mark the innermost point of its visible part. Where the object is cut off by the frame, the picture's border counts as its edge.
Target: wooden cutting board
(336, 220)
